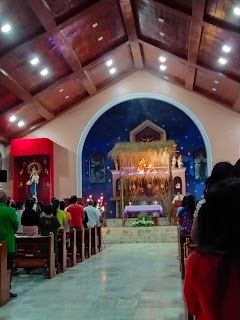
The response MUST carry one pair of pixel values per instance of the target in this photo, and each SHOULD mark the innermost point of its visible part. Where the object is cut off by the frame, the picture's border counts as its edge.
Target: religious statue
(141, 165)
(180, 163)
(165, 157)
(33, 170)
(174, 161)
(147, 139)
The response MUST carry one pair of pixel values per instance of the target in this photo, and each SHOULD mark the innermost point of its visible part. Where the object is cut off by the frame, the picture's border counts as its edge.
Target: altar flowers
(144, 221)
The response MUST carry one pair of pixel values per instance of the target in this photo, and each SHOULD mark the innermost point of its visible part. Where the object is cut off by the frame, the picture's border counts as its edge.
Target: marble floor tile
(123, 282)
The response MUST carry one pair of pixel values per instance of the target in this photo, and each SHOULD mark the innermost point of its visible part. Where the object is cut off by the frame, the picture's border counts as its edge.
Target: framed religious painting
(200, 164)
(97, 172)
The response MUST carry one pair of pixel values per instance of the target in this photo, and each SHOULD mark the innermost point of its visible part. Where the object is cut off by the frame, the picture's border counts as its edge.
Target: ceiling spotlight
(226, 48)
(222, 60)
(161, 34)
(21, 123)
(5, 28)
(44, 72)
(34, 61)
(163, 67)
(161, 20)
(66, 97)
(100, 38)
(109, 63)
(162, 59)
(236, 10)
(214, 89)
(61, 90)
(95, 25)
(112, 71)
(165, 77)
(215, 81)
(12, 119)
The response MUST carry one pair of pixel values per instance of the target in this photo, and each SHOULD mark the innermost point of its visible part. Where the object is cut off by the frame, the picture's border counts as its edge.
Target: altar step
(118, 222)
(121, 234)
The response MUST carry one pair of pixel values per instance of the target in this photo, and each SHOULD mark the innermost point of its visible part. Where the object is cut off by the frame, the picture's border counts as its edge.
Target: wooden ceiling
(74, 39)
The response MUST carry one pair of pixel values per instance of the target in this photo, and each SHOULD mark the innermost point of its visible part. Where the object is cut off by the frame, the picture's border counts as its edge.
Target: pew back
(4, 276)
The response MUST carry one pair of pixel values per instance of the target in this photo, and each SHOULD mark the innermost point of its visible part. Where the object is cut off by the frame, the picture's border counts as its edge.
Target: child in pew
(212, 282)
(49, 224)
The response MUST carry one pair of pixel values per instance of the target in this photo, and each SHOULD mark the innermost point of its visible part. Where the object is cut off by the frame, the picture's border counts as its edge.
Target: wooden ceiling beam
(42, 11)
(198, 8)
(236, 105)
(130, 26)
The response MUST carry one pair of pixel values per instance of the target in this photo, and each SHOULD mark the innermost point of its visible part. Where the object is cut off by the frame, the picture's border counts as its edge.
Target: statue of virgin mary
(33, 181)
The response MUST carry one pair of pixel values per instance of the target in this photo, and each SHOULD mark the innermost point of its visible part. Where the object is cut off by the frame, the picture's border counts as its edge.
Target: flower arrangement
(144, 221)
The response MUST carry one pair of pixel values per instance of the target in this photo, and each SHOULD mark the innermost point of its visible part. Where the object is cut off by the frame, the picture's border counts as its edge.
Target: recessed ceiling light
(95, 25)
(61, 90)
(226, 48)
(214, 89)
(161, 34)
(222, 60)
(66, 97)
(162, 59)
(236, 10)
(160, 20)
(109, 62)
(215, 81)
(163, 67)
(165, 77)
(12, 119)
(44, 72)
(113, 70)
(5, 28)
(21, 123)
(100, 38)
(34, 61)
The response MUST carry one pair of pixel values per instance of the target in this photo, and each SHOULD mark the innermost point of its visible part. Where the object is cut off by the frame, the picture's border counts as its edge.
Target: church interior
(119, 149)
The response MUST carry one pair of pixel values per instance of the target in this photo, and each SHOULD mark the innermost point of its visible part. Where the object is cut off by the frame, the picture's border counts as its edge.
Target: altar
(148, 173)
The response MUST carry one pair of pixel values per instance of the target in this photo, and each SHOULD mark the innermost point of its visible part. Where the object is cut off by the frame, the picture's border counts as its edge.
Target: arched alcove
(153, 107)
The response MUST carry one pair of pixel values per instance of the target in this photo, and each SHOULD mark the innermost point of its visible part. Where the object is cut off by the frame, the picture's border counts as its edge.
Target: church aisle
(125, 281)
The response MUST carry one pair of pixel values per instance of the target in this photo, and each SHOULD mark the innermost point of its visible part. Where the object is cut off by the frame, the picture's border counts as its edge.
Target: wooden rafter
(236, 105)
(11, 84)
(198, 8)
(44, 15)
(129, 22)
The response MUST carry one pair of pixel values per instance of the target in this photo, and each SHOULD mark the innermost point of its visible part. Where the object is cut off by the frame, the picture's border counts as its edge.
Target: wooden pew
(72, 249)
(88, 242)
(94, 240)
(35, 252)
(181, 240)
(4, 276)
(99, 235)
(80, 239)
(62, 251)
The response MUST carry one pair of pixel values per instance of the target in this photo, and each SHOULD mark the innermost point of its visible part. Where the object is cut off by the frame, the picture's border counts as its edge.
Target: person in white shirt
(91, 212)
(19, 212)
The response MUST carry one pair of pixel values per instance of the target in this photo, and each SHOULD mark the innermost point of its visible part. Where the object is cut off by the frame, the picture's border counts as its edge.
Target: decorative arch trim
(129, 97)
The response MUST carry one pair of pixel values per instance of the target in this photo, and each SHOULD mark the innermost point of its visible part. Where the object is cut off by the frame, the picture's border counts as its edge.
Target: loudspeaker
(3, 175)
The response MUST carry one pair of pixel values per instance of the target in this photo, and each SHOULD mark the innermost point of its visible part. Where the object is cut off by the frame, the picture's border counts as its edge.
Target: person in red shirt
(212, 282)
(76, 211)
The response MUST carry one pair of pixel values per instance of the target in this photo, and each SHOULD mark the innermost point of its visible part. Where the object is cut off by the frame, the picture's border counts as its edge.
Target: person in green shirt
(8, 226)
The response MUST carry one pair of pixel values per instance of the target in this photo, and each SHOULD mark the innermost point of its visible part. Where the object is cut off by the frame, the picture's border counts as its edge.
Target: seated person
(93, 218)
(186, 215)
(212, 282)
(30, 219)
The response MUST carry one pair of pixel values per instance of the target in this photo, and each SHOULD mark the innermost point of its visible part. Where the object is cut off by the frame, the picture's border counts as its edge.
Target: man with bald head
(8, 226)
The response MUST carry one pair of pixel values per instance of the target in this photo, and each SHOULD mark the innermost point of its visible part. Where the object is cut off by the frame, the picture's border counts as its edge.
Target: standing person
(98, 211)
(76, 211)
(92, 215)
(212, 283)
(60, 214)
(40, 209)
(186, 215)
(19, 212)
(8, 225)
(183, 205)
(30, 219)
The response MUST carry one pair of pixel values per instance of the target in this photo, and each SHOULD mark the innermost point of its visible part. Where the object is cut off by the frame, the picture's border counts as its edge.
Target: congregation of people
(34, 217)
(212, 270)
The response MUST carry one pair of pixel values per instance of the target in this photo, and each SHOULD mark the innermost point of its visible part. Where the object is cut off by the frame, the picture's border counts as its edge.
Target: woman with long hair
(212, 283)
(30, 219)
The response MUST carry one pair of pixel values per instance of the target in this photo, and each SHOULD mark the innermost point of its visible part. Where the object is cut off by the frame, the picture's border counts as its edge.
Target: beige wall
(222, 125)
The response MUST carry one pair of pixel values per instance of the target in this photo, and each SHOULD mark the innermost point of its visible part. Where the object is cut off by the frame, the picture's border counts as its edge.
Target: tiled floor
(125, 281)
